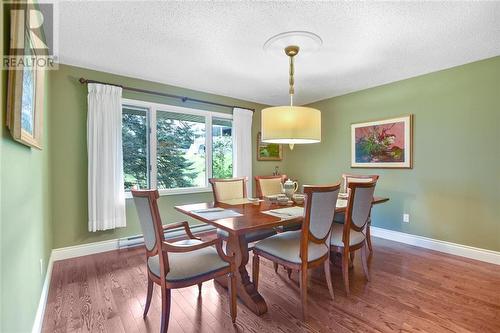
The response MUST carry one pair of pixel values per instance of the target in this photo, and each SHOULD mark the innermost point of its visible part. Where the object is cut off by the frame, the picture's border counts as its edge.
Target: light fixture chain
(292, 80)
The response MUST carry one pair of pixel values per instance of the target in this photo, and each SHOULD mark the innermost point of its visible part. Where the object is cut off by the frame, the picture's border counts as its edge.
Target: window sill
(177, 191)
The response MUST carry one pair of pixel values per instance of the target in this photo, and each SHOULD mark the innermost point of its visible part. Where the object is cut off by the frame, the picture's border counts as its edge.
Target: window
(222, 148)
(180, 152)
(135, 147)
(175, 149)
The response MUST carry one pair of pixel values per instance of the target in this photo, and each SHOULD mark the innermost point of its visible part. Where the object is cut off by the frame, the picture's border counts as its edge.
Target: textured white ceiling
(217, 46)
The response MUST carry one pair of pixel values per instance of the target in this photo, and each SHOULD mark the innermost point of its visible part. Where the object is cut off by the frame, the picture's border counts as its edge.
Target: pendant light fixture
(290, 124)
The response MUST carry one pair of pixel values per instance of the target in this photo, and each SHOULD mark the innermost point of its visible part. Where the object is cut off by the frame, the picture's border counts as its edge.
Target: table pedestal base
(246, 290)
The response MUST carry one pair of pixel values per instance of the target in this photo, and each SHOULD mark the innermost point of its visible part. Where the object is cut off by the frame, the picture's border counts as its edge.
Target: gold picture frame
(268, 151)
(25, 89)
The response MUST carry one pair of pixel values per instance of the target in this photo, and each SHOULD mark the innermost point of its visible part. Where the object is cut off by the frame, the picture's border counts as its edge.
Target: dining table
(239, 218)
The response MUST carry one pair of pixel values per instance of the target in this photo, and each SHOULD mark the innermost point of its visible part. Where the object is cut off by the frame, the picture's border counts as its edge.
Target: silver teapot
(289, 188)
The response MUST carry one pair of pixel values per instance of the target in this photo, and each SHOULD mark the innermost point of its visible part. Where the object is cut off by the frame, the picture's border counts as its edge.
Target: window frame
(152, 109)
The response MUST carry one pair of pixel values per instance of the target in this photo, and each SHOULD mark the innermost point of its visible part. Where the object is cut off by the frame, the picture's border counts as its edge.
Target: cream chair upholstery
(287, 247)
(180, 264)
(188, 265)
(350, 236)
(307, 248)
(346, 179)
(229, 190)
(235, 188)
(355, 237)
(270, 186)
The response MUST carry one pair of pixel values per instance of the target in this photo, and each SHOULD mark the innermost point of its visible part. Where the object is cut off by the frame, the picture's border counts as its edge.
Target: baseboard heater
(169, 234)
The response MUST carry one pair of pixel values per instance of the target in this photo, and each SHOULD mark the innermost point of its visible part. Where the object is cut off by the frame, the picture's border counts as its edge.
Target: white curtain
(242, 145)
(106, 196)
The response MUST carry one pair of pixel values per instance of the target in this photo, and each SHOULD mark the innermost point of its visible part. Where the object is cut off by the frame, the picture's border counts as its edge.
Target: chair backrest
(350, 177)
(269, 185)
(227, 189)
(151, 225)
(319, 210)
(359, 205)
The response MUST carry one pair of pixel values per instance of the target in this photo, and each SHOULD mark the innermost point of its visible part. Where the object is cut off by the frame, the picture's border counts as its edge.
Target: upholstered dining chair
(179, 264)
(350, 236)
(230, 189)
(346, 178)
(306, 248)
(269, 185)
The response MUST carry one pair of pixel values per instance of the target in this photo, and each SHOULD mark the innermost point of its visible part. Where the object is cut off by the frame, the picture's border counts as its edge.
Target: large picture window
(174, 149)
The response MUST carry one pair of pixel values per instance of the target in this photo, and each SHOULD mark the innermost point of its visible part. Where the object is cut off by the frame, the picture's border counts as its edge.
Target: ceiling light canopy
(291, 124)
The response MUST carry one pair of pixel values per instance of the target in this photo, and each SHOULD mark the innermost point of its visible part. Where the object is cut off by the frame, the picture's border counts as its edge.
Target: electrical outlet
(41, 267)
(406, 218)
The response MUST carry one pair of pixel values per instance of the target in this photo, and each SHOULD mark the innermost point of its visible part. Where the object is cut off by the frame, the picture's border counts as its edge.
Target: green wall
(25, 226)
(67, 138)
(453, 191)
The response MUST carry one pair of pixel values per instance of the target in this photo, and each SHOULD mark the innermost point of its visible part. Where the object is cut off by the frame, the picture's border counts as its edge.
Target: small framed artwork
(268, 151)
(26, 84)
(382, 143)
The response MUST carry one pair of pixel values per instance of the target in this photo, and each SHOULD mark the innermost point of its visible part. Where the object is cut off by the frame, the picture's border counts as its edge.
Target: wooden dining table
(252, 219)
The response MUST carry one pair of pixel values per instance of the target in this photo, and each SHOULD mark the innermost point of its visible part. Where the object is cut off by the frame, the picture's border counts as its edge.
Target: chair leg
(364, 261)
(165, 309)
(303, 292)
(351, 260)
(275, 267)
(148, 298)
(232, 296)
(369, 238)
(289, 272)
(199, 287)
(328, 275)
(345, 271)
(255, 271)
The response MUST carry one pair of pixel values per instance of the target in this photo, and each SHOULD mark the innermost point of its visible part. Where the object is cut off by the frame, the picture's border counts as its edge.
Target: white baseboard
(84, 249)
(401, 237)
(37, 324)
(489, 256)
(114, 244)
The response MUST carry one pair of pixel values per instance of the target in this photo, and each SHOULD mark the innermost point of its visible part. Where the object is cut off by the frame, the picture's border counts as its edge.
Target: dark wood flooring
(412, 290)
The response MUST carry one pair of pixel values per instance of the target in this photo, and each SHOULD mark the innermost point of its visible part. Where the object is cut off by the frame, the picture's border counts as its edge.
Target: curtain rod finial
(82, 80)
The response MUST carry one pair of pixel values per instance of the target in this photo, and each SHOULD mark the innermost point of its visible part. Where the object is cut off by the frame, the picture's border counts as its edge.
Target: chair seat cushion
(286, 246)
(187, 265)
(355, 237)
(252, 236)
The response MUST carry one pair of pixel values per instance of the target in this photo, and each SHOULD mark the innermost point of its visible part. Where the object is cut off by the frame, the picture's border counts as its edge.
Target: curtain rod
(151, 92)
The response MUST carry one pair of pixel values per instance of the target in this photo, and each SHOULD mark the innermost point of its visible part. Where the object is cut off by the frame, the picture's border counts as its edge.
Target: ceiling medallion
(309, 42)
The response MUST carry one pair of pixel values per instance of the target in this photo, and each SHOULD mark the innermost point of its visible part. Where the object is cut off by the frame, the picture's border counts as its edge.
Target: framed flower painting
(382, 143)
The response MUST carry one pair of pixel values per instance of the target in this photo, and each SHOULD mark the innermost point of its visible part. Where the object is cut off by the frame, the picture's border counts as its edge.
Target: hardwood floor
(411, 290)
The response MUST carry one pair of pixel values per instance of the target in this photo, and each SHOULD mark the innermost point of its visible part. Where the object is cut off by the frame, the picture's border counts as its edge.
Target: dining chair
(235, 188)
(307, 248)
(179, 264)
(348, 237)
(346, 178)
(269, 185)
